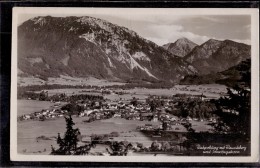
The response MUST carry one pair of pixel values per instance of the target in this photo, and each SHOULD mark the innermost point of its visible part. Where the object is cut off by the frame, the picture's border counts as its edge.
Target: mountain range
(86, 46)
(91, 47)
(216, 56)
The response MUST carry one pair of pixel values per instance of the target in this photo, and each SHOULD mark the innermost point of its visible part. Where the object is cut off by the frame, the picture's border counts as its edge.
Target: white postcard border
(155, 11)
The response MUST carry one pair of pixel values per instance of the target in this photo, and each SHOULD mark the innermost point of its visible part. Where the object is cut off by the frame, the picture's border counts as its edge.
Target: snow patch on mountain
(39, 20)
(149, 73)
(110, 63)
(88, 37)
(35, 60)
(86, 20)
(192, 69)
(19, 71)
(96, 22)
(134, 64)
(65, 61)
(107, 50)
(47, 66)
(71, 29)
(108, 70)
(141, 56)
(104, 25)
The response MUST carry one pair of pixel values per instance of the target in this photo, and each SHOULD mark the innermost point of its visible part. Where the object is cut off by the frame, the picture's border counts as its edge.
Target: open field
(210, 90)
(73, 81)
(201, 126)
(31, 106)
(28, 131)
(70, 91)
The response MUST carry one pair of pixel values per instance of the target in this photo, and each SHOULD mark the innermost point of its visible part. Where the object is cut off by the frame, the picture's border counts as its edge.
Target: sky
(164, 28)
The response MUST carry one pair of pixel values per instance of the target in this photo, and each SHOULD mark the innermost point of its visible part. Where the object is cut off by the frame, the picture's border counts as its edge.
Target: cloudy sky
(164, 28)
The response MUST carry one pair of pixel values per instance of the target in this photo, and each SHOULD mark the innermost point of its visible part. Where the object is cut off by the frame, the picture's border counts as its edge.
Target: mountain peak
(180, 47)
(183, 39)
(211, 41)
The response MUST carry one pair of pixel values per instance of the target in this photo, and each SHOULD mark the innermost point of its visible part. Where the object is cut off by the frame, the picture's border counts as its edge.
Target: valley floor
(72, 81)
(37, 137)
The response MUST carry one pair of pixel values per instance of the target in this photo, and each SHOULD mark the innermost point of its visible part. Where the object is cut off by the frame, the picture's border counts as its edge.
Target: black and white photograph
(113, 84)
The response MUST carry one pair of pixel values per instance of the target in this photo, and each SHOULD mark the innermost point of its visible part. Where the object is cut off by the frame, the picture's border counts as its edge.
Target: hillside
(229, 77)
(90, 47)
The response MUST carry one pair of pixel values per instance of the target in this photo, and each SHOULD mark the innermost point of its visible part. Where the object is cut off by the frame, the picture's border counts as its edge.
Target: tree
(68, 144)
(140, 146)
(134, 101)
(119, 148)
(166, 146)
(43, 96)
(154, 103)
(152, 106)
(234, 109)
(165, 126)
(73, 108)
(155, 146)
(196, 108)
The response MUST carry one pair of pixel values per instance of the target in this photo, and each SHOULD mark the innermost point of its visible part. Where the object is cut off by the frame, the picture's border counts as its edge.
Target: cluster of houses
(141, 111)
(99, 110)
(149, 127)
(118, 110)
(50, 113)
